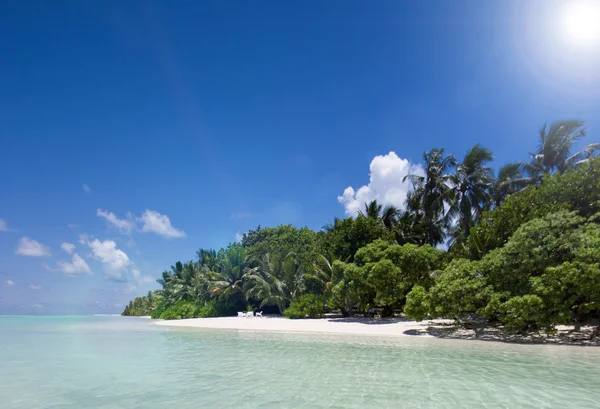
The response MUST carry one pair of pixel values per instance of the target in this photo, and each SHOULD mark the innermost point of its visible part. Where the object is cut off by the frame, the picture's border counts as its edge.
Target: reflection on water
(115, 362)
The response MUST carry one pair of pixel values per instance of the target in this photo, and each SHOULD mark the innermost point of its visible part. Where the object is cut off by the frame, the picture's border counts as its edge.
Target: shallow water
(118, 362)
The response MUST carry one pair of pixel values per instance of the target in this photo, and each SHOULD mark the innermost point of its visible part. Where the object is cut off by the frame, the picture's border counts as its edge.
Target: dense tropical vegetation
(523, 249)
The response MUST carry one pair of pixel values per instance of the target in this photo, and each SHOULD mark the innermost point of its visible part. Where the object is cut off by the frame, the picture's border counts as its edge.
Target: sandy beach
(354, 325)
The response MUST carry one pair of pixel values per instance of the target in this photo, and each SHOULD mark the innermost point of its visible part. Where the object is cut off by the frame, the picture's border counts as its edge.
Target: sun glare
(582, 22)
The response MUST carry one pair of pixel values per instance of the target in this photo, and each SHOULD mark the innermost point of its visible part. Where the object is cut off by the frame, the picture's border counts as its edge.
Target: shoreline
(393, 327)
(389, 327)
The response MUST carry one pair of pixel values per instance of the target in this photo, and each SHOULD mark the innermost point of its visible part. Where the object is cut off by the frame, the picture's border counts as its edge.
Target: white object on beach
(250, 314)
(241, 314)
(259, 313)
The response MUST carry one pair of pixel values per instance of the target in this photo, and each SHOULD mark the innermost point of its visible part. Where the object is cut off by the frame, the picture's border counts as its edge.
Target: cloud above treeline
(150, 221)
(385, 185)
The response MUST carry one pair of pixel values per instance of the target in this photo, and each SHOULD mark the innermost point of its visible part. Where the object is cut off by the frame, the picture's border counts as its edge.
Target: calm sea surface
(117, 362)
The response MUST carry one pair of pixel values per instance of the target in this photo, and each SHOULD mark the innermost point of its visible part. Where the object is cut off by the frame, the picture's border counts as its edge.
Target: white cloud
(151, 222)
(35, 287)
(137, 276)
(107, 252)
(32, 248)
(4, 226)
(72, 226)
(86, 188)
(67, 247)
(385, 184)
(239, 236)
(84, 238)
(154, 222)
(76, 266)
(124, 226)
(8, 283)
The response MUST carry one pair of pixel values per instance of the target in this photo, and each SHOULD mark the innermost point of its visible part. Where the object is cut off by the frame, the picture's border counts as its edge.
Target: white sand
(356, 326)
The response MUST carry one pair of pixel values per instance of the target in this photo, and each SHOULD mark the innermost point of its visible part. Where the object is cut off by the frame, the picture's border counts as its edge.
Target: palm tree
(387, 215)
(323, 271)
(208, 258)
(510, 180)
(372, 210)
(430, 193)
(228, 280)
(555, 145)
(470, 193)
(276, 281)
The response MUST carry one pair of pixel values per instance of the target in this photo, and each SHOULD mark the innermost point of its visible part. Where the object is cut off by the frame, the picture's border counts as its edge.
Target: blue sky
(134, 133)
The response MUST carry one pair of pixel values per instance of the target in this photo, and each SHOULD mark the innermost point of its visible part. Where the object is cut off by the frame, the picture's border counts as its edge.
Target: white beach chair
(250, 314)
(259, 313)
(241, 314)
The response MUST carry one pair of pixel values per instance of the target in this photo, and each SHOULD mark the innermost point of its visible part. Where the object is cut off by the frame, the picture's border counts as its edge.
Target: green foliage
(277, 280)
(346, 236)
(161, 306)
(577, 190)
(283, 239)
(470, 193)
(306, 306)
(458, 289)
(217, 307)
(141, 306)
(522, 312)
(180, 310)
(527, 257)
(382, 274)
(418, 304)
(426, 202)
(548, 273)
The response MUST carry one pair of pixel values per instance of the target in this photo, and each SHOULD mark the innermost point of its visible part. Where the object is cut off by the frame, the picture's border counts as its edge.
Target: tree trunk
(578, 318)
(595, 333)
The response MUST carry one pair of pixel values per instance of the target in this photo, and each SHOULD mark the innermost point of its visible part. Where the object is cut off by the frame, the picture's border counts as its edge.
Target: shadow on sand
(369, 321)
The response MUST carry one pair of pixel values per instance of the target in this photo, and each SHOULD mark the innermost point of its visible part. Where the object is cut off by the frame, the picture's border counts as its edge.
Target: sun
(581, 22)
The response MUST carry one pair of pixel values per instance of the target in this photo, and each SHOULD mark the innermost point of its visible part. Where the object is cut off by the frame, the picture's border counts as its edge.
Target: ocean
(122, 362)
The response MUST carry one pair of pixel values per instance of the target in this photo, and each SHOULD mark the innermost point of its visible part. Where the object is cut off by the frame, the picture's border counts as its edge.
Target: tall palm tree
(323, 271)
(228, 280)
(372, 210)
(470, 194)
(208, 258)
(510, 179)
(555, 145)
(387, 215)
(430, 193)
(276, 281)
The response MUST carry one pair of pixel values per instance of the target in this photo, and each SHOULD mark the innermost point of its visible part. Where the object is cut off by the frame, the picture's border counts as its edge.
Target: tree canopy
(524, 249)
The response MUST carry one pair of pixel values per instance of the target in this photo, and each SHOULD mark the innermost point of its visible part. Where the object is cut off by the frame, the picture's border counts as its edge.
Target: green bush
(210, 309)
(158, 310)
(180, 310)
(576, 190)
(383, 274)
(306, 306)
(548, 273)
(417, 304)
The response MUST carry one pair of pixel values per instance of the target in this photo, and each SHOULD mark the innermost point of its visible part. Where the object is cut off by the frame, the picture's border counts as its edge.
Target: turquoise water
(118, 362)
